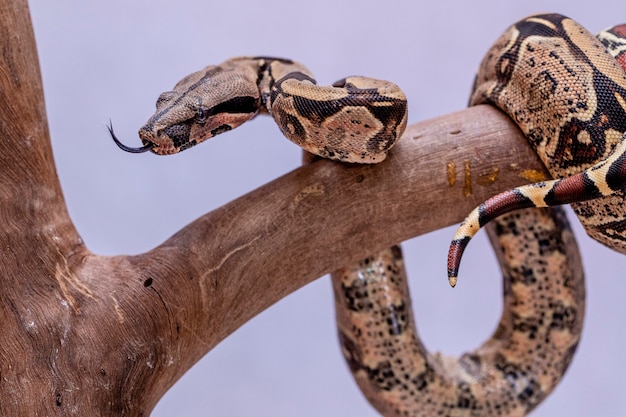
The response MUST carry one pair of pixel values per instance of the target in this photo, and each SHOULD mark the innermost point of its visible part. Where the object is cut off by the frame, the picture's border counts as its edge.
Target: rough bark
(90, 335)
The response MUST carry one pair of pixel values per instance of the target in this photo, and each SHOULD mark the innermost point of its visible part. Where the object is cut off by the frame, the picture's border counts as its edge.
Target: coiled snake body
(358, 120)
(574, 114)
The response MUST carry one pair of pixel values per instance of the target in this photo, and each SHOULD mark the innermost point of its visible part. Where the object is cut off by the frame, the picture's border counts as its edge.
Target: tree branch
(91, 335)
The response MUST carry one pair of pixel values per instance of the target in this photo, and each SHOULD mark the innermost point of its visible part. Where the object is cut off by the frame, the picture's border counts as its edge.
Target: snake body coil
(566, 90)
(359, 120)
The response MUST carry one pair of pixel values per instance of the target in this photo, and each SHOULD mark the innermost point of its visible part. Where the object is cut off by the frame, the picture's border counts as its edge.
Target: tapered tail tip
(455, 252)
(452, 280)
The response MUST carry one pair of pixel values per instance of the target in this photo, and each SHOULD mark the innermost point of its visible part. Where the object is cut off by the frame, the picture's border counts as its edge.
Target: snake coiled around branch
(566, 90)
(358, 120)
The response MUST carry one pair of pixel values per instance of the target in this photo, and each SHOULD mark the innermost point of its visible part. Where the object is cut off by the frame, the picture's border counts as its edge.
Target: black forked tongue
(123, 147)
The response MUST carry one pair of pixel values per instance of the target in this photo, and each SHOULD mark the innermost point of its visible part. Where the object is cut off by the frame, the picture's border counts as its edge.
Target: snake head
(201, 105)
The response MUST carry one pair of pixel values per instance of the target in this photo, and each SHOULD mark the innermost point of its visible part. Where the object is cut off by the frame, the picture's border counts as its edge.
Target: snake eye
(202, 115)
(202, 112)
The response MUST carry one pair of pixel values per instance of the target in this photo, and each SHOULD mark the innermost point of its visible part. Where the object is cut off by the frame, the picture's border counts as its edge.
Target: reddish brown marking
(616, 176)
(455, 253)
(568, 190)
(621, 59)
(604, 119)
(620, 30)
(502, 203)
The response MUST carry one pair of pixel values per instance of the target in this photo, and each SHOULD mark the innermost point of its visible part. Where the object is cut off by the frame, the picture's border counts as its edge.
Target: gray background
(111, 60)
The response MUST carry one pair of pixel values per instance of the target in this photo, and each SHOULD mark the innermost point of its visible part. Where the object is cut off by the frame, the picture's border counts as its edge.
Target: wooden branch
(90, 335)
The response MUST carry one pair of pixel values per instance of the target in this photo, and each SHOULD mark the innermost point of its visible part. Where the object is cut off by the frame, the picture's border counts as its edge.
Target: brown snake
(573, 86)
(359, 120)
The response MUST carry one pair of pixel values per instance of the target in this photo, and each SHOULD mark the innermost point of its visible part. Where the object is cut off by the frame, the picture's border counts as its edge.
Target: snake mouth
(148, 146)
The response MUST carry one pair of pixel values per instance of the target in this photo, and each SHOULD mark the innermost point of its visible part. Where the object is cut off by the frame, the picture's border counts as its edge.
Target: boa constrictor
(358, 119)
(566, 90)
(543, 283)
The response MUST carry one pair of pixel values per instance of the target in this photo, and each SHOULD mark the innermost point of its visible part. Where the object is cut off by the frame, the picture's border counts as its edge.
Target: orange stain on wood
(451, 169)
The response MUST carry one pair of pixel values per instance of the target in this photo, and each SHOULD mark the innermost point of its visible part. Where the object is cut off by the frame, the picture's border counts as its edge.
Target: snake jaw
(148, 146)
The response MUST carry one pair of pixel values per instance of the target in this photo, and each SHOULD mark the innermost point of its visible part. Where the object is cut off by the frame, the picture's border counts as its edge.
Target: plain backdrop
(111, 59)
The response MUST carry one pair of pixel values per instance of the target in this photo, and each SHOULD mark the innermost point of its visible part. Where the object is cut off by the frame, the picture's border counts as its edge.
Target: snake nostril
(145, 134)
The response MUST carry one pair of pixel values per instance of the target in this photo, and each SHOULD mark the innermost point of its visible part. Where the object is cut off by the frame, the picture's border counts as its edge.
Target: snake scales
(358, 120)
(575, 118)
